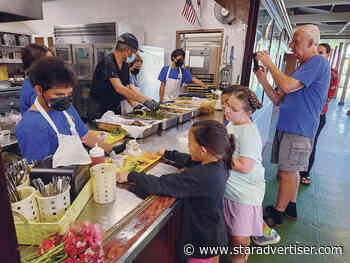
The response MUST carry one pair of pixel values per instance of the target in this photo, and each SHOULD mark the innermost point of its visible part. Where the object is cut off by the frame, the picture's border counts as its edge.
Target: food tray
(111, 138)
(152, 129)
(143, 157)
(33, 233)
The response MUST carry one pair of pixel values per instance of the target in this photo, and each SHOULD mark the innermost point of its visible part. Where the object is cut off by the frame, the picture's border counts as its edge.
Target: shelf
(5, 146)
(12, 89)
(10, 61)
(11, 46)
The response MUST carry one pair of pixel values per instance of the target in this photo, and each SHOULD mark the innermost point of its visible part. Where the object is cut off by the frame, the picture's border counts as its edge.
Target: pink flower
(46, 246)
(68, 260)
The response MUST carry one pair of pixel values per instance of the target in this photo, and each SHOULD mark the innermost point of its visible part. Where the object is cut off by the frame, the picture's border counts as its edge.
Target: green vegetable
(143, 114)
(116, 132)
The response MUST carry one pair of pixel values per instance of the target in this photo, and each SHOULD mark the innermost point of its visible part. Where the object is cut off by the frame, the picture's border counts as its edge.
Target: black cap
(130, 40)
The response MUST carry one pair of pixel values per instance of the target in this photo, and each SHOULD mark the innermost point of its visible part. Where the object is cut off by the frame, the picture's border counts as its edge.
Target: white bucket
(104, 182)
(27, 206)
(52, 208)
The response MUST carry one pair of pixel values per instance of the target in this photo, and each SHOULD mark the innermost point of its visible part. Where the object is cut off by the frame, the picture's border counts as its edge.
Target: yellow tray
(33, 233)
(110, 137)
(142, 158)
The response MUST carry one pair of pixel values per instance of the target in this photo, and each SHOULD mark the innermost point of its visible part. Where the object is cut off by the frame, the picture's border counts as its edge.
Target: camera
(256, 63)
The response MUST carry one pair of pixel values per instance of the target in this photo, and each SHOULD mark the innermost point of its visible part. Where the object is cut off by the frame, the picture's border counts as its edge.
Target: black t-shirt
(102, 89)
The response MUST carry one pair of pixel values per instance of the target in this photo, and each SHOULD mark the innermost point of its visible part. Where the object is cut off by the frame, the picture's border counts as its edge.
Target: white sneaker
(271, 239)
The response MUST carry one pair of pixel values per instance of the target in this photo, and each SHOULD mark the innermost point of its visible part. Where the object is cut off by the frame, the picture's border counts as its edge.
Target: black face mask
(179, 63)
(136, 71)
(60, 104)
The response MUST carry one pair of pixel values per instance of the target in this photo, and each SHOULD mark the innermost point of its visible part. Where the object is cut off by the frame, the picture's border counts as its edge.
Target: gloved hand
(152, 105)
(137, 108)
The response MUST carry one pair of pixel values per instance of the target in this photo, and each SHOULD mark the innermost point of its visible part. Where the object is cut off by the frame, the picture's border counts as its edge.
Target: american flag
(188, 12)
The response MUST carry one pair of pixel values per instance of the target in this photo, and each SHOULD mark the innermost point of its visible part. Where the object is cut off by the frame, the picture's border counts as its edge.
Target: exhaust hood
(20, 10)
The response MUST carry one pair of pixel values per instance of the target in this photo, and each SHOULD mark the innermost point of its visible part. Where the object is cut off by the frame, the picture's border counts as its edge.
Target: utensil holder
(27, 206)
(52, 208)
(104, 182)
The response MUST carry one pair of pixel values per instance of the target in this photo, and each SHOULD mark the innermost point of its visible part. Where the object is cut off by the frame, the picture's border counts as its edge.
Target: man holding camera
(301, 100)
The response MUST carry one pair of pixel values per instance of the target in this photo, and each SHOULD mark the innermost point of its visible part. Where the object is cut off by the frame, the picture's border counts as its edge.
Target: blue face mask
(131, 59)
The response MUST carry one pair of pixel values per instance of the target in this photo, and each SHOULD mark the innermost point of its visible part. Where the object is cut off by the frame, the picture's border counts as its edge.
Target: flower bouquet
(82, 243)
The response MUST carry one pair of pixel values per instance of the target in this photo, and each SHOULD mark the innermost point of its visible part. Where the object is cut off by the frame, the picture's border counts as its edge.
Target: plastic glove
(152, 105)
(137, 108)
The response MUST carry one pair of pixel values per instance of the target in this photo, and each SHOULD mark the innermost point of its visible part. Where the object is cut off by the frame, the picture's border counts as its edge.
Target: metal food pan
(164, 123)
(168, 123)
(147, 132)
(195, 109)
(184, 114)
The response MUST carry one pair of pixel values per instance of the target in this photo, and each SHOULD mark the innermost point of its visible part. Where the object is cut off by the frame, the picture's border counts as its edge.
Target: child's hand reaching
(122, 177)
(160, 152)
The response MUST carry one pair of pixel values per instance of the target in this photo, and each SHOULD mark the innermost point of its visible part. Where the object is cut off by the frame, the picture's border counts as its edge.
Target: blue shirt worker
(51, 126)
(301, 99)
(172, 77)
(31, 53)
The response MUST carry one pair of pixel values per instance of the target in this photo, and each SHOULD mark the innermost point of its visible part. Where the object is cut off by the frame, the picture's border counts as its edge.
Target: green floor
(324, 206)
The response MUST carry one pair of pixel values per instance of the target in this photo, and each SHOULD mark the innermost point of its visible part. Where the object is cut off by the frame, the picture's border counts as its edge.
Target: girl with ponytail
(245, 186)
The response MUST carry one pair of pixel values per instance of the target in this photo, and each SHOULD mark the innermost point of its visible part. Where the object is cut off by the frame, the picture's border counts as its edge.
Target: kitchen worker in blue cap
(111, 81)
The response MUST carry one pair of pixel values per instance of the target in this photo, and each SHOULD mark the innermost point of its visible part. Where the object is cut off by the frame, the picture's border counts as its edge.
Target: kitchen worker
(31, 53)
(51, 126)
(135, 68)
(172, 77)
(111, 80)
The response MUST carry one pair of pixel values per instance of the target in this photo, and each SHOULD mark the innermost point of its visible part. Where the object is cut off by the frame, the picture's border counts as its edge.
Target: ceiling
(331, 16)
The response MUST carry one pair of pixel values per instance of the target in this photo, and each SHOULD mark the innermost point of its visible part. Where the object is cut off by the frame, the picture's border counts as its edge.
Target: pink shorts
(200, 260)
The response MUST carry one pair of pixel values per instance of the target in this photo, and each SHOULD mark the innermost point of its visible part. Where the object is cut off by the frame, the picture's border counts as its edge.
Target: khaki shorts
(291, 151)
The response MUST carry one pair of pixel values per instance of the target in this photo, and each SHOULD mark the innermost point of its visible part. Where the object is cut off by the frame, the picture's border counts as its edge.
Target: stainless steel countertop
(173, 139)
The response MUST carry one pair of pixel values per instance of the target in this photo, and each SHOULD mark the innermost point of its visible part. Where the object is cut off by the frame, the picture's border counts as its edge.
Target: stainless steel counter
(173, 139)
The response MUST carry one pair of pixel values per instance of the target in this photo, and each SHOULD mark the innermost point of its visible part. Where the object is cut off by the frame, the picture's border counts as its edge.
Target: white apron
(125, 107)
(172, 86)
(70, 149)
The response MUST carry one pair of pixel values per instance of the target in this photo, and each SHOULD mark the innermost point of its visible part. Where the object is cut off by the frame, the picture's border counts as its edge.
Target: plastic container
(133, 148)
(104, 182)
(97, 155)
(52, 208)
(27, 206)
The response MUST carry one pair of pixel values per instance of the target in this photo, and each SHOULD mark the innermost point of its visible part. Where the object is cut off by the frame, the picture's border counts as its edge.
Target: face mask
(60, 104)
(136, 71)
(131, 59)
(179, 63)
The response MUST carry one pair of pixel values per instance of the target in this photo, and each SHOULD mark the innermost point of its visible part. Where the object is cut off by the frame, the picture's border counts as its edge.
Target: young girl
(201, 185)
(245, 186)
